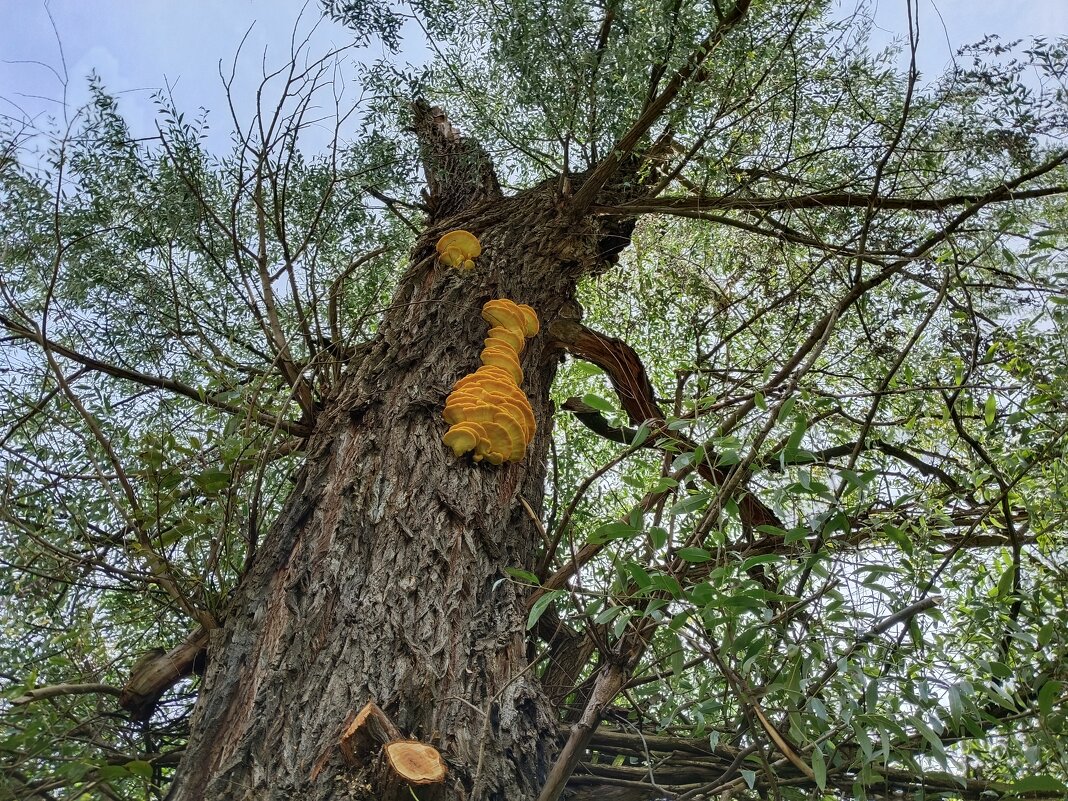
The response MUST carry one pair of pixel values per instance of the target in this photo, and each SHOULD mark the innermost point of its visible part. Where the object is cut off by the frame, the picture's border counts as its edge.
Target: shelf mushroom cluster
(458, 249)
(487, 411)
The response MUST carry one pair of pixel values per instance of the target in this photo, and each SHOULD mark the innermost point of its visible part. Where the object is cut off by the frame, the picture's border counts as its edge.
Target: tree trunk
(384, 578)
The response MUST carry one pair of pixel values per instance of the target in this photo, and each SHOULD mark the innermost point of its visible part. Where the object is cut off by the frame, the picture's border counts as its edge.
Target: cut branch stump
(369, 730)
(408, 766)
(403, 766)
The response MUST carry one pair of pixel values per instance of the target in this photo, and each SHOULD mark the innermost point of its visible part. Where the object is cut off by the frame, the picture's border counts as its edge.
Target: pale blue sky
(140, 45)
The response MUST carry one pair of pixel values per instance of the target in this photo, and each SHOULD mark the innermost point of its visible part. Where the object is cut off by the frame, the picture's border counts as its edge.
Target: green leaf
(727, 458)
(774, 531)
(1046, 696)
(153, 458)
(1006, 582)
(694, 555)
(798, 433)
(680, 619)
(598, 403)
(213, 480)
(667, 583)
(540, 605)
(899, 537)
(584, 370)
(956, 708)
(109, 772)
(786, 409)
(638, 575)
(759, 559)
(931, 736)
(990, 409)
(522, 575)
(677, 658)
(665, 483)
(1042, 783)
(701, 594)
(695, 501)
(819, 768)
(658, 537)
(612, 531)
(609, 614)
(1045, 634)
(682, 460)
(140, 768)
(641, 435)
(745, 638)
(871, 695)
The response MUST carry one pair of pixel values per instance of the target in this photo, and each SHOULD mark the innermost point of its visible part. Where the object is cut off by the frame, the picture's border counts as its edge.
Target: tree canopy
(803, 533)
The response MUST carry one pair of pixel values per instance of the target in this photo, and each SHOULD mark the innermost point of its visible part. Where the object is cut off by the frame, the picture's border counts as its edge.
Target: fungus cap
(458, 249)
(530, 319)
(516, 436)
(502, 312)
(499, 444)
(508, 336)
(464, 437)
(478, 412)
(481, 374)
(495, 385)
(492, 394)
(505, 358)
(522, 413)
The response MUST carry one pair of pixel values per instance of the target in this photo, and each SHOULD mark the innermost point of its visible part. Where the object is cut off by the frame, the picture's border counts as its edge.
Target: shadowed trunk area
(384, 577)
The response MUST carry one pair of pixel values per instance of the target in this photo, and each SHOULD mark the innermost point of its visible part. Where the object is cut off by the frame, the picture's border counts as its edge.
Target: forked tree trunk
(384, 578)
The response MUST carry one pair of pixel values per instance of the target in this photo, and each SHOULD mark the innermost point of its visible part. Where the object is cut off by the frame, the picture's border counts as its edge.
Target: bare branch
(58, 690)
(156, 382)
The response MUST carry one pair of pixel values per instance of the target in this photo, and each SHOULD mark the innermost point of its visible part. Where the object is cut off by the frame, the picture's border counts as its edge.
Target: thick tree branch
(459, 173)
(678, 765)
(598, 423)
(569, 651)
(681, 776)
(606, 687)
(654, 109)
(819, 200)
(153, 676)
(631, 383)
(774, 464)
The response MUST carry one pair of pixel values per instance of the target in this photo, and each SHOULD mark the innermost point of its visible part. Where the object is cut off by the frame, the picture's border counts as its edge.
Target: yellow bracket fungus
(487, 411)
(458, 249)
(507, 336)
(516, 316)
(464, 437)
(504, 357)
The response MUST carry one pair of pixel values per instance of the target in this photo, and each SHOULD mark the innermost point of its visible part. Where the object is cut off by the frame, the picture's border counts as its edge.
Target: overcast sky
(137, 46)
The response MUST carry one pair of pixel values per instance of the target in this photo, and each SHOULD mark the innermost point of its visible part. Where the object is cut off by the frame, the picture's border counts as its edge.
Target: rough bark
(384, 577)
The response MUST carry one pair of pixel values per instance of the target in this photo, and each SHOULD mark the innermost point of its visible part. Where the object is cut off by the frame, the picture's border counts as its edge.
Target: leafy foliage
(847, 287)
